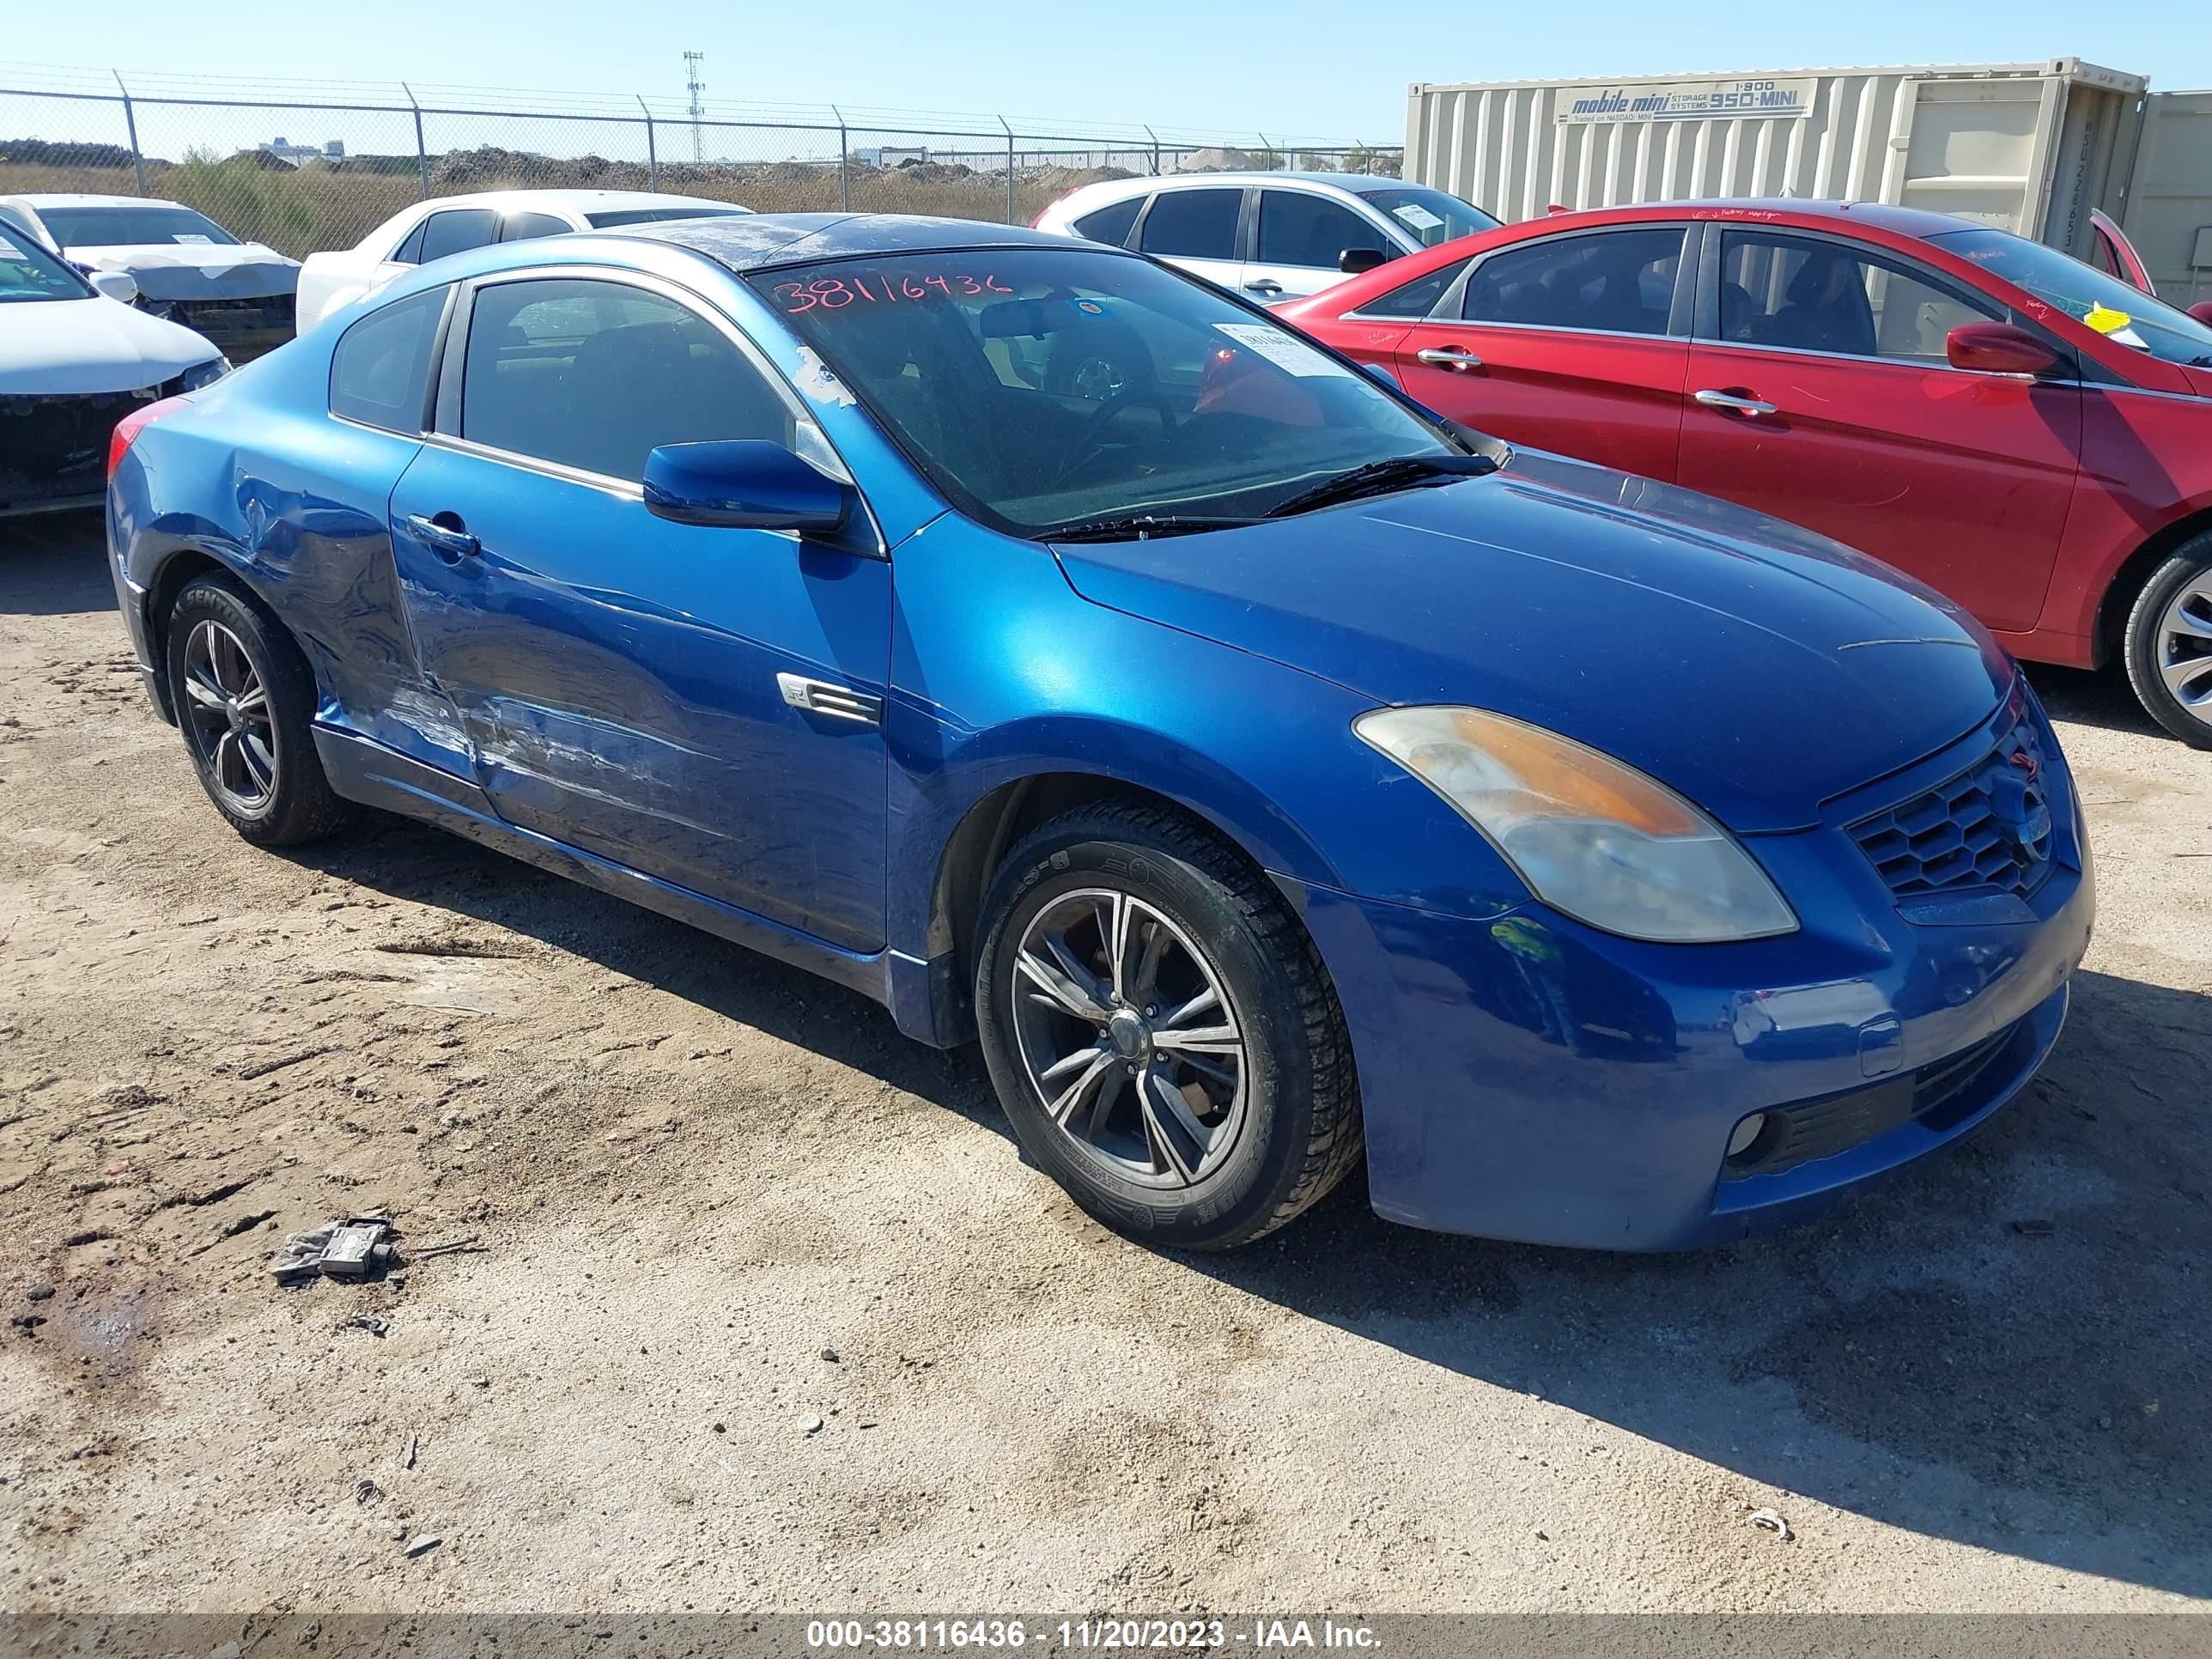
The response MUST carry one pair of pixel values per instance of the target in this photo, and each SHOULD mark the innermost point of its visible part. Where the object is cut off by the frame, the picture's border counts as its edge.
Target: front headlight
(1590, 836)
(204, 374)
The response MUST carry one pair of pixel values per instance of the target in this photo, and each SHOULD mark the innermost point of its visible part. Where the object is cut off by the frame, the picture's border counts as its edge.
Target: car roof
(757, 241)
(581, 200)
(1900, 221)
(69, 200)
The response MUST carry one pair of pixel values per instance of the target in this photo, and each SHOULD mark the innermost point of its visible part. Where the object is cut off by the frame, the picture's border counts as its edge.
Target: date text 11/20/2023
(830, 1634)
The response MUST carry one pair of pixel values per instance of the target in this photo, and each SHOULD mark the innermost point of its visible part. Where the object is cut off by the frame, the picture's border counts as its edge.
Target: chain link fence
(307, 166)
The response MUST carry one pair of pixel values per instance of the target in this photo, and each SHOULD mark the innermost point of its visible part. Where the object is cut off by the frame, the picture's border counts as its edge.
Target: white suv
(1272, 235)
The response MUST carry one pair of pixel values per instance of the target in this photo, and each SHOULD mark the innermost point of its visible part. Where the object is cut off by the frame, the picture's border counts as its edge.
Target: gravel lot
(720, 1201)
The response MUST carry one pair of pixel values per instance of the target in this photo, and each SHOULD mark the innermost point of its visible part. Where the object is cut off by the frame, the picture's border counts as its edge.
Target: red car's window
(1619, 282)
(1807, 295)
(1418, 298)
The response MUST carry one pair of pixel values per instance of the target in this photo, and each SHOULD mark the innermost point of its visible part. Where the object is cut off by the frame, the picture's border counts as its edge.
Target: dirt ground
(769, 1314)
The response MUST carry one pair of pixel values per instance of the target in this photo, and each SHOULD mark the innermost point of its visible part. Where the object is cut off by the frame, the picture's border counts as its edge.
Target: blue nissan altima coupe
(1068, 656)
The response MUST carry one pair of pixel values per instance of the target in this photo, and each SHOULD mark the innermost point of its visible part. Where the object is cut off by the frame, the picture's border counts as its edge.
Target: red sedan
(2025, 433)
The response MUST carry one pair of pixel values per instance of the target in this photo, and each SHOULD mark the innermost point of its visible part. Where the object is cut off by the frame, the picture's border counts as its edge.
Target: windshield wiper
(1381, 477)
(1137, 526)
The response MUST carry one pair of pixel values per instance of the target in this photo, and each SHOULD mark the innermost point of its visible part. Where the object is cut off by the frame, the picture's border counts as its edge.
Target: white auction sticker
(1293, 356)
(1416, 215)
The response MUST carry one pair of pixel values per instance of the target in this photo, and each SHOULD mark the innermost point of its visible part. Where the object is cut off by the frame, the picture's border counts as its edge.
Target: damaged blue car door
(700, 703)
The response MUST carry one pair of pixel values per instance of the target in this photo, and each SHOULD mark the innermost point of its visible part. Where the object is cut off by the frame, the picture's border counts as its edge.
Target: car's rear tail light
(128, 429)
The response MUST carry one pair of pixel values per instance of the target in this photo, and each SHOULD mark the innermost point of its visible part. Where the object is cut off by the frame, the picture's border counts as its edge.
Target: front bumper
(241, 328)
(1527, 1077)
(53, 446)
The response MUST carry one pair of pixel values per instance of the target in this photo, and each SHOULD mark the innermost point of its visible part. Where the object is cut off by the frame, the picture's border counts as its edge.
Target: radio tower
(694, 86)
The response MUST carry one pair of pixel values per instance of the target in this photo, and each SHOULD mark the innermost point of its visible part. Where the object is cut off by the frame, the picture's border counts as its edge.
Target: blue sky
(1310, 67)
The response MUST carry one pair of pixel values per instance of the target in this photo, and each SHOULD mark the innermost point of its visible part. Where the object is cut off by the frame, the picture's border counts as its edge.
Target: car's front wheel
(2169, 643)
(1161, 1031)
(245, 700)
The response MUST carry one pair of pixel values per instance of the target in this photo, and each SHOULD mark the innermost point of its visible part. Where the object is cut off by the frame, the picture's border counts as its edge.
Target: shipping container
(2031, 147)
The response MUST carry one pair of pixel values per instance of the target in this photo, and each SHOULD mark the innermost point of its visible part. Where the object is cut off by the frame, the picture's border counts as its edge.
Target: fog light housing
(1746, 1136)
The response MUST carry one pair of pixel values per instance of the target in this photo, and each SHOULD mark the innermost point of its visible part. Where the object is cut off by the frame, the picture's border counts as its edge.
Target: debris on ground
(1772, 1522)
(355, 1247)
(471, 1244)
(414, 1445)
(2034, 1227)
(423, 1545)
(811, 1425)
(369, 1322)
(829, 1354)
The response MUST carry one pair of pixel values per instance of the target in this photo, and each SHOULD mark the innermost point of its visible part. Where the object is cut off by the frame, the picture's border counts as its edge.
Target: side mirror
(2201, 311)
(1353, 260)
(743, 483)
(1998, 348)
(115, 285)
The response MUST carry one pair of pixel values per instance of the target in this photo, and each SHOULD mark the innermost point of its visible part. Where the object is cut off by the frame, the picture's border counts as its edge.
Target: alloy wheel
(2184, 647)
(227, 717)
(1129, 1038)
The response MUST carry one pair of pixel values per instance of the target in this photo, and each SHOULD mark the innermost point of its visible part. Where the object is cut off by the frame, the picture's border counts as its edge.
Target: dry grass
(317, 207)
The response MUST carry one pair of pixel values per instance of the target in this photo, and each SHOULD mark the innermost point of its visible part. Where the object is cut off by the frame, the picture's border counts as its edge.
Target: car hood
(63, 348)
(190, 271)
(1755, 667)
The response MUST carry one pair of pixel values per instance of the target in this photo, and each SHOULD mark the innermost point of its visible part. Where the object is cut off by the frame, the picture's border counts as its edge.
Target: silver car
(1272, 235)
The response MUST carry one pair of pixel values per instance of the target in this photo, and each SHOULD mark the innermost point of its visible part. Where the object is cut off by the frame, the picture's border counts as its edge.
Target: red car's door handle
(1734, 405)
(1457, 358)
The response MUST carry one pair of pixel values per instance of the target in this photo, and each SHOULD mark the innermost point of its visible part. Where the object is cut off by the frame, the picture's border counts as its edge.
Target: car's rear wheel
(2169, 643)
(1161, 1031)
(245, 700)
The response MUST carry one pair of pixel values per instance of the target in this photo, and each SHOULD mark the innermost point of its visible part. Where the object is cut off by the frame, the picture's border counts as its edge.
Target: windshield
(1430, 216)
(29, 272)
(1041, 389)
(654, 215)
(133, 227)
(2088, 295)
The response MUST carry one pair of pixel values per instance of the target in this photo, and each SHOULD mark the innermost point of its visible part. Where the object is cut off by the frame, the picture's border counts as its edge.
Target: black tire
(1298, 1127)
(2190, 567)
(297, 805)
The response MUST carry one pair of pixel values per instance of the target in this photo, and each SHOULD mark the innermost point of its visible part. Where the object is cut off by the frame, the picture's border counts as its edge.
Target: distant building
(292, 154)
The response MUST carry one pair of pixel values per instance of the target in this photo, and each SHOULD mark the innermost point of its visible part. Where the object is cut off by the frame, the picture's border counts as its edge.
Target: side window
(596, 375)
(1621, 282)
(456, 231)
(1416, 298)
(380, 369)
(1299, 229)
(410, 251)
(523, 227)
(1811, 296)
(1110, 224)
(2104, 256)
(1195, 224)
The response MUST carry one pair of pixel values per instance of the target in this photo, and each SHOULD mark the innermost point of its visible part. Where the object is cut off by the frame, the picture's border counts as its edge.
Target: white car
(73, 362)
(1272, 235)
(188, 269)
(451, 224)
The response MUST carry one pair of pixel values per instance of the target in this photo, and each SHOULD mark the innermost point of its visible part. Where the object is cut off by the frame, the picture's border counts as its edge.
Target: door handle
(448, 541)
(1456, 358)
(1265, 285)
(1732, 404)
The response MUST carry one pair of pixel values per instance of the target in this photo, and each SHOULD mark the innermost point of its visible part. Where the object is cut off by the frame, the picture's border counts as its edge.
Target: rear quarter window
(380, 368)
(1109, 224)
